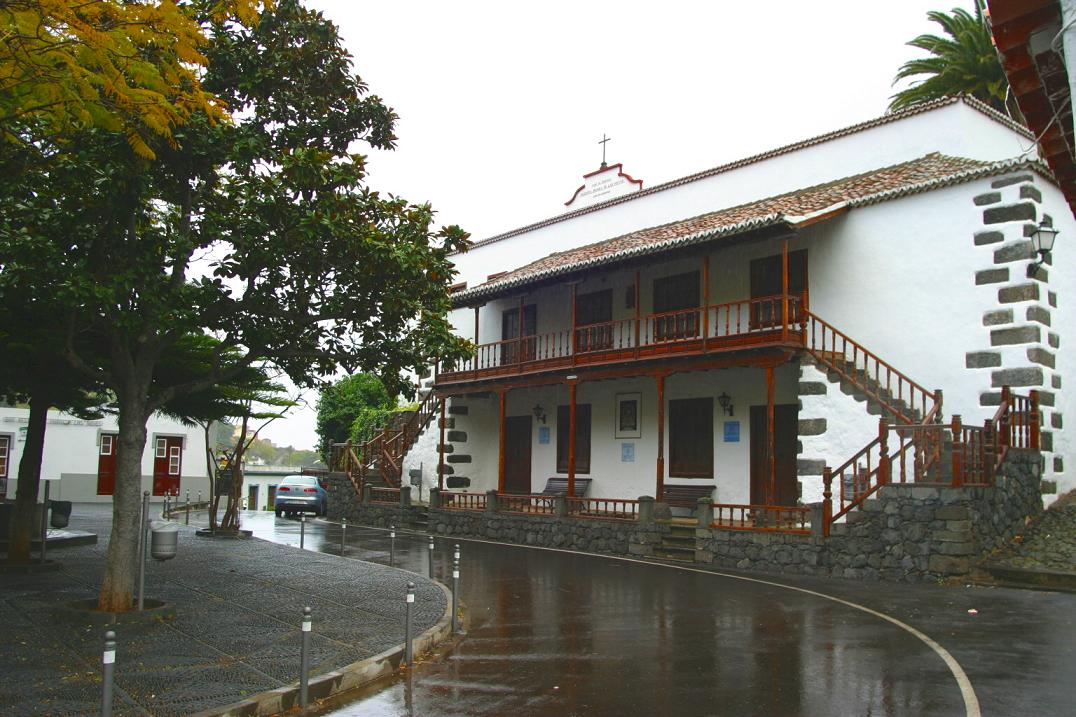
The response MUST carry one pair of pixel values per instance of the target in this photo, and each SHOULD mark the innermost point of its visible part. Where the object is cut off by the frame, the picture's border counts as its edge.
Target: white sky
(502, 104)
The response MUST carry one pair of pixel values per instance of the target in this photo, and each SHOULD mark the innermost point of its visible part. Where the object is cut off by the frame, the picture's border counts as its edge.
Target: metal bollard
(392, 546)
(343, 535)
(456, 553)
(409, 656)
(164, 510)
(143, 545)
(304, 661)
(199, 497)
(108, 663)
(187, 517)
(302, 532)
(456, 594)
(430, 553)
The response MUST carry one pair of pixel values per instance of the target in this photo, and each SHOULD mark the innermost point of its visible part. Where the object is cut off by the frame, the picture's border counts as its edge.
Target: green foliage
(357, 399)
(964, 62)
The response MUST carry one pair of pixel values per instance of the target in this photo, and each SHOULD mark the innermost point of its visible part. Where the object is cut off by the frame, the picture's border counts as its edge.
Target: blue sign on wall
(627, 452)
(543, 434)
(732, 431)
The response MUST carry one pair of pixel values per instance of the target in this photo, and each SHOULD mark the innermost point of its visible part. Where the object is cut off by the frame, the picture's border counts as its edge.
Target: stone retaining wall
(910, 533)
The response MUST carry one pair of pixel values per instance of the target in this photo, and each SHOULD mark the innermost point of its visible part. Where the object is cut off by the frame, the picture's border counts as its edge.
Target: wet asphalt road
(555, 633)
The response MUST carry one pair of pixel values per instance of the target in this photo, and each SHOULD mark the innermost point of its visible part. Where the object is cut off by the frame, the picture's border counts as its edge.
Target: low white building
(739, 329)
(80, 457)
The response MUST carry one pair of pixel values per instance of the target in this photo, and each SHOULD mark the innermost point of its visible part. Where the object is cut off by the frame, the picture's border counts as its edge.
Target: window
(582, 438)
(162, 448)
(691, 438)
(672, 295)
(594, 308)
(5, 448)
(173, 461)
(107, 447)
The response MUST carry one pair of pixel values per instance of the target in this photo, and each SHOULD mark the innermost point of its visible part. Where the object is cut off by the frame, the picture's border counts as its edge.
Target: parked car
(300, 494)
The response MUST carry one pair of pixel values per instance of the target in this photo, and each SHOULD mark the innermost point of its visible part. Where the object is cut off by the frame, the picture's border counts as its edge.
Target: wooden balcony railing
(705, 329)
(380, 494)
(763, 518)
(604, 508)
(526, 504)
(462, 501)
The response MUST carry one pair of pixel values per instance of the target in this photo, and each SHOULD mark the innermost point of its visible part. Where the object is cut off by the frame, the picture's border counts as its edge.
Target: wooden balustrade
(604, 508)
(526, 504)
(463, 501)
(381, 494)
(794, 519)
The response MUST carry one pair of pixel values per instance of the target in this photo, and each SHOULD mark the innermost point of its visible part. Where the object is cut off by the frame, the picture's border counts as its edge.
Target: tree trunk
(121, 569)
(29, 481)
(210, 470)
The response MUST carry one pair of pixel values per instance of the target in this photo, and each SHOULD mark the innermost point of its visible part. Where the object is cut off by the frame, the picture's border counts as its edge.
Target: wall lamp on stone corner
(725, 401)
(1042, 241)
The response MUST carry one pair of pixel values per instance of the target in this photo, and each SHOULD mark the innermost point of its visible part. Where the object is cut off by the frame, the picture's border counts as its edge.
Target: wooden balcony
(718, 328)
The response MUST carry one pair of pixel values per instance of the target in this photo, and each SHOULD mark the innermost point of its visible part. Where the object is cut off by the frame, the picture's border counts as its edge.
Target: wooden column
(519, 338)
(571, 439)
(637, 297)
(771, 456)
(474, 365)
(574, 285)
(441, 449)
(784, 291)
(501, 441)
(659, 486)
(705, 300)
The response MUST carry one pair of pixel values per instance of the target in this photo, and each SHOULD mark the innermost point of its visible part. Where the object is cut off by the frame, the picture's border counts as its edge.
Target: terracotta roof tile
(929, 172)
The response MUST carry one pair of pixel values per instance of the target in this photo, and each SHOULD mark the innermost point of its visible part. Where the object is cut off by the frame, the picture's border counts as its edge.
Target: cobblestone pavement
(238, 605)
(1049, 543)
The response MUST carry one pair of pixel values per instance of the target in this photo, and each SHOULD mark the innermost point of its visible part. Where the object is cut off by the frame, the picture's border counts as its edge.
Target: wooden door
(766, 281)
(106, 464)
(593, 317)
(785, 420)
(167, 464)
(512, 353)
(517, 454)
(252, 497)
(674, 296)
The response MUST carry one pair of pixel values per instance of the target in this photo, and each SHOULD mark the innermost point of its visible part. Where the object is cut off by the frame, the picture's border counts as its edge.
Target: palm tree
(963, 63)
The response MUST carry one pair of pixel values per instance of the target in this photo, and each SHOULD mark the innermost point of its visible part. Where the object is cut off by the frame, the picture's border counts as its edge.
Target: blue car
(300, 494)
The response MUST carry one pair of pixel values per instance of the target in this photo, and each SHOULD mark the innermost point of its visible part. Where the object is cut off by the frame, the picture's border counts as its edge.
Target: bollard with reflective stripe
(343, 535)
(456, 592)
(108, 663)
(304, 661)
(430, 574)
(392, 546)
(302, 532)
(456, 553)
(409, 656)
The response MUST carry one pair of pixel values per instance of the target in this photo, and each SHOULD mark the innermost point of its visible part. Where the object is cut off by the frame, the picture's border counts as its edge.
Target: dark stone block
(1000, 316)
(1041, 356)
(991, 276)
(1030, 229)
(1022, 211)
(812, 426)
(1020, 292)
(810, 467)
(1046, 398)
(458, 482)
(1049, 487)
(1020, 251)
(448, 448)
(1046, 441)
(448, 423)
(1055, 381)
(1037, 313)
(988, 198)
(992, 237)
(1029, 192)
(982, 359)
(1016, 377)
(812, 388)
(1007, 181)
(456, 436)
(459, 410)
(1051, 298)
(447, 470)
(1054, 340)
(1037, 273)
(990, 398)
(1017, 335)
(1059, 464)
(459, 458)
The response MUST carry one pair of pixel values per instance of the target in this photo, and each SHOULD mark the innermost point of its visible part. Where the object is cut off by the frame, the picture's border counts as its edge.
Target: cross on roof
(602, 143)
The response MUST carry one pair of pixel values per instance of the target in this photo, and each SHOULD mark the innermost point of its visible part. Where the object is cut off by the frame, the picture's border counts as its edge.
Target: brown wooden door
(524, 350)
(785, 420)
(593, 314)
(674, 296)
(766, 281)
(106, 464)
(167, 464)
(517, 454)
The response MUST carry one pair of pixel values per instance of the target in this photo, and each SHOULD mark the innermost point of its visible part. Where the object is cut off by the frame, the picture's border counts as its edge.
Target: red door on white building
(106, 464)
(167, 464)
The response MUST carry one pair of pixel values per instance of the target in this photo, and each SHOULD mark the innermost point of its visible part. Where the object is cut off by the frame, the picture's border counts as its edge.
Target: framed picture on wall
(627, 421)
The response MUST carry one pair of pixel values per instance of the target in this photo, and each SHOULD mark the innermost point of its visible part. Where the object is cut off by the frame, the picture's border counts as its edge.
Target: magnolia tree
(260, 232)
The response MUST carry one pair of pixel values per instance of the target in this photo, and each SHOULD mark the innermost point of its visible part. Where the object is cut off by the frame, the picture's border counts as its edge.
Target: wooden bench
(686, 496)
(559, 486)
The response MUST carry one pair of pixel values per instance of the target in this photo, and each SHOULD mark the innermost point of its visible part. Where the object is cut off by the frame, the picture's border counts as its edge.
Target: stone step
(680, 556)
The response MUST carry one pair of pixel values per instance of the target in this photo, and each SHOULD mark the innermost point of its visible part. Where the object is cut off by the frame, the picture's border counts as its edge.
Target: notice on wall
(732, 431)
(543, 435)
(627, 452)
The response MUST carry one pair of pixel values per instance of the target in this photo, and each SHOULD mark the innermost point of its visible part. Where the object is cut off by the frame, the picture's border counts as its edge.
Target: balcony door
(512, 353)
(766, 282)
(676, 298)
(593, 314)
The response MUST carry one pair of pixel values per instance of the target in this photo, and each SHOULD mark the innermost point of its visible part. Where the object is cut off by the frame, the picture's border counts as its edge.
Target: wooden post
(659, 490)
(441, 449)
(771, 456)
(1034, 420)
(519, 338)
(501, 441)
(571, 439)
(958, 451)
(474, 364)
(637, 300)
(574, 285)
(827, 499)
(1005, 429)
(784, 291)
(705, 300)
(884, 466)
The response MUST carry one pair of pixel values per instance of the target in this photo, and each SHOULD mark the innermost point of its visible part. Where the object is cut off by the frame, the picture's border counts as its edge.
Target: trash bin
(163, 540)
(61, 513)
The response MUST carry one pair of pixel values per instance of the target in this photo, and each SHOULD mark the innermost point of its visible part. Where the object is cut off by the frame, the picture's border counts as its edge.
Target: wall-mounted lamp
(725, 401)
(1042, 241)
(539, 413)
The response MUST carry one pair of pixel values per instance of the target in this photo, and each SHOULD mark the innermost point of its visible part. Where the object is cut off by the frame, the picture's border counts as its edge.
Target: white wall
(71, 453)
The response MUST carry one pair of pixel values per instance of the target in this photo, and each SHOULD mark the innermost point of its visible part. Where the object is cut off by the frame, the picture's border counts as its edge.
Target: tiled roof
(793, 208)
(786, 149)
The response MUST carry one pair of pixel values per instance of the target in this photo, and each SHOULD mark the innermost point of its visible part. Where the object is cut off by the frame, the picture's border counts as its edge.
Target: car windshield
(299, 480)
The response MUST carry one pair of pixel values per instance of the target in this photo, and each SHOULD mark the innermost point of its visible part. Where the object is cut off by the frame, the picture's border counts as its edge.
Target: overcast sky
(502, 104)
